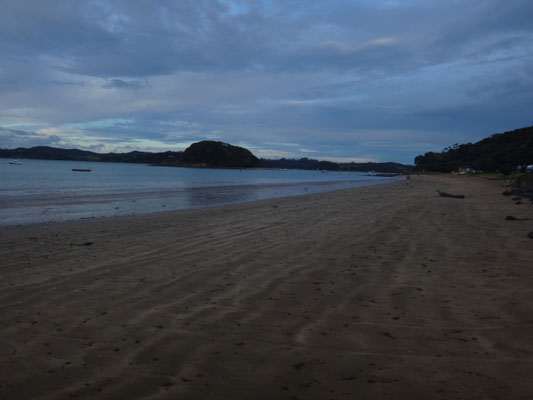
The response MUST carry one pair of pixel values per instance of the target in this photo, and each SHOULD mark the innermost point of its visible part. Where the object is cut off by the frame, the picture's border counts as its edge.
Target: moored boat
(15, 162)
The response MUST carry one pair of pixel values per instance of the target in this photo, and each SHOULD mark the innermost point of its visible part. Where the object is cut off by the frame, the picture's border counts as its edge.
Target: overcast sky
(381, 80)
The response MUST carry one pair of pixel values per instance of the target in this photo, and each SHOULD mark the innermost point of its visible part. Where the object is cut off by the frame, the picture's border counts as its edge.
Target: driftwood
(511, 218)
(454, 196)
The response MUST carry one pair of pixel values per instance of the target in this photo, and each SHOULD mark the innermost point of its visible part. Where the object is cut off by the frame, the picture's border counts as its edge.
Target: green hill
(209, 153)
(501, 152)
(54, 153)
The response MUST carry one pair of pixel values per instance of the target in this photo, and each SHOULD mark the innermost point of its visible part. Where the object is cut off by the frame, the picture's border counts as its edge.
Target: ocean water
(45, 191)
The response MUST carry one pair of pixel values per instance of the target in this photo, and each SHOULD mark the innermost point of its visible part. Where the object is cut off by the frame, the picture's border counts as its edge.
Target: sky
(340, 80)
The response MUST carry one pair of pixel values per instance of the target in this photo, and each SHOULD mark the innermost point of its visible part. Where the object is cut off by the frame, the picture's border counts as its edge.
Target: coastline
(382, 291)
(34, 194)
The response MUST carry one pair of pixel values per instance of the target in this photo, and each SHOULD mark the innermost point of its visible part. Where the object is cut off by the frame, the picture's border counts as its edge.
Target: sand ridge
(377, 292)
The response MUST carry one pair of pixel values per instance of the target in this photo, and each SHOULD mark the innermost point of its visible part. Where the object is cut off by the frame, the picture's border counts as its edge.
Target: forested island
(204, 154)
(501, 152)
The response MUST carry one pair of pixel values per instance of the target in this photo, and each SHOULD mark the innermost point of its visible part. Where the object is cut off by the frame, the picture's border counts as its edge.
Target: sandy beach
(381, 292)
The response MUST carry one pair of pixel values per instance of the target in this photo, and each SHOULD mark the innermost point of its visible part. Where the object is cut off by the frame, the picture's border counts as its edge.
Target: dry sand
(376, 292)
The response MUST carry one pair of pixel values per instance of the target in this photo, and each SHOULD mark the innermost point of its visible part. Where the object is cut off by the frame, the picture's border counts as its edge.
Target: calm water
(44, 191)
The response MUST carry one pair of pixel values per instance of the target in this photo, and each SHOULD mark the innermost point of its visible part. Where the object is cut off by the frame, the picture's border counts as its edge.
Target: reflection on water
(200, 197)
(34, 202)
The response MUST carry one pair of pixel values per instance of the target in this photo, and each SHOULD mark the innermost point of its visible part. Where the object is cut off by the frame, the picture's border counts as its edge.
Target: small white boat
(16, 162)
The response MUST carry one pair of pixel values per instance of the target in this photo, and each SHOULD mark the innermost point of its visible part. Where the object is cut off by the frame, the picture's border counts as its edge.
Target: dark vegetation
(202, 154)
(307, 163)
(53, 153)
(501, 152)
(219, 155)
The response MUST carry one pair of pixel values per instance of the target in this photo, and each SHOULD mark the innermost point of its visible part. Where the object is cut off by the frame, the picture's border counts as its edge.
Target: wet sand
(385, 291)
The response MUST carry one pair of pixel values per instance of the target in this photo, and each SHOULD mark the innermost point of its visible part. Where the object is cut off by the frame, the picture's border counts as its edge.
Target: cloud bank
(381, 80)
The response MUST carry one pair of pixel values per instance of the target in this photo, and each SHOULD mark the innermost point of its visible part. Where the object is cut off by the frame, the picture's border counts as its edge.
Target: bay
(49, 191)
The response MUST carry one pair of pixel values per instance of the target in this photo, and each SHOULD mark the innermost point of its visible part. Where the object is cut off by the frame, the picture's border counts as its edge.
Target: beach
(387, 291)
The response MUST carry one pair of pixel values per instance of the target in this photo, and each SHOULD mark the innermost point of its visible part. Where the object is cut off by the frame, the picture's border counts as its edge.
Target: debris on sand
(454, 196)
(511, 218)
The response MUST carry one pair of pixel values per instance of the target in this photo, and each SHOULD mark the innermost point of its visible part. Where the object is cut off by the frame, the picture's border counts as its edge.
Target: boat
(16, 162)
(81, 170)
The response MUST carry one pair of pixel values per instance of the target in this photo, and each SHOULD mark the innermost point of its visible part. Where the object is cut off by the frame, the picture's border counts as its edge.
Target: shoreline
(381, 291)
(32, 209)
(204, 166)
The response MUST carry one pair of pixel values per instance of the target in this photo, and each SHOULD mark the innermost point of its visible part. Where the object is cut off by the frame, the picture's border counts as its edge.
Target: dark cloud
(259, 71)
(139, 39)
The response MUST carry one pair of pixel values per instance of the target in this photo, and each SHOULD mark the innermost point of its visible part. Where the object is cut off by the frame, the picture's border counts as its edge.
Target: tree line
(501, 152)
(201, 154)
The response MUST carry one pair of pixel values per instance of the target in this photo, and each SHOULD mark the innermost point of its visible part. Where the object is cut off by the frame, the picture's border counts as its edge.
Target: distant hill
(209, 154)
(54, 153)
(310, 164)
(501, 152)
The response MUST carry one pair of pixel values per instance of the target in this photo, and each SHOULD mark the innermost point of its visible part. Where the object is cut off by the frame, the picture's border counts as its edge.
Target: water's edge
(48, 191)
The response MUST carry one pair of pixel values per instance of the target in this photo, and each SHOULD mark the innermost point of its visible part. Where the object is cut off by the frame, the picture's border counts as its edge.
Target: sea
(38, 191)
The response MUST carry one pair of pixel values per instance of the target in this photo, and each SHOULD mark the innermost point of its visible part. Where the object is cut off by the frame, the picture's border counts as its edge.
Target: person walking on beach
(407, 180)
